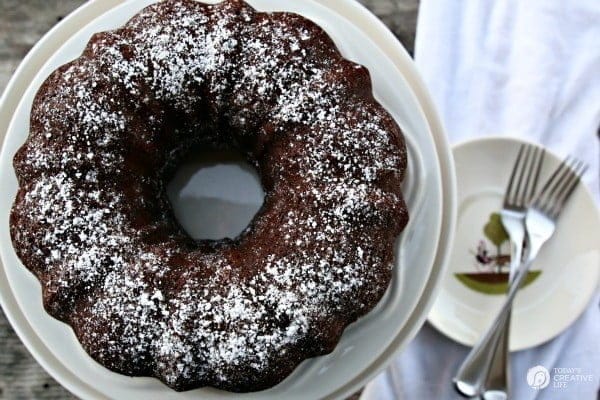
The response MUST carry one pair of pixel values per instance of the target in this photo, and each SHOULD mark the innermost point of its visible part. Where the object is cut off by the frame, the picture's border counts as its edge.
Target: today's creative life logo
(538, 377)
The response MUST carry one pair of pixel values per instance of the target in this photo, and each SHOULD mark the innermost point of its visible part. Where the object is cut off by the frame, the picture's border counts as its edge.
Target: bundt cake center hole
(215, 194)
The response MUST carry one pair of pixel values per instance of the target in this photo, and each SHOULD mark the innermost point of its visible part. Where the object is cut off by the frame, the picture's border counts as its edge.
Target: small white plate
(366, 346)
(563, 278)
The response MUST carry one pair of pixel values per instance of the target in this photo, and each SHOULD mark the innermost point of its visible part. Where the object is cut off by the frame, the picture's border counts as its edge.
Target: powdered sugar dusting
(93, 223)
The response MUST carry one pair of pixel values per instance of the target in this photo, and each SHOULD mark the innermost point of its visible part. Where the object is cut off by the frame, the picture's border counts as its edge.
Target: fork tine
(521, 187)
(508, 194)
(559, 187)
(550, 182)
(533, 171)
(540, 161)
(569, 165)
(570, 178)
(575, 177)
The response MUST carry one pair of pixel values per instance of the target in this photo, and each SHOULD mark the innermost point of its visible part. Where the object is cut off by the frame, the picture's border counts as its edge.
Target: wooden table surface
(22, 24)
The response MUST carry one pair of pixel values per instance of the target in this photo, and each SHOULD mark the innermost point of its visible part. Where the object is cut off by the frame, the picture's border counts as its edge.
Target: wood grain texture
(22, 24)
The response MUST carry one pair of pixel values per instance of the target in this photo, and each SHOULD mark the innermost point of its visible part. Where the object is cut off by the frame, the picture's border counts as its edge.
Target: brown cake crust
(92, 220)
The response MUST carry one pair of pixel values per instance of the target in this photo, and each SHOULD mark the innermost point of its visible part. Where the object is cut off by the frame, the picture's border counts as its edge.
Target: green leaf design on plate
(494, 230)
(486, 284)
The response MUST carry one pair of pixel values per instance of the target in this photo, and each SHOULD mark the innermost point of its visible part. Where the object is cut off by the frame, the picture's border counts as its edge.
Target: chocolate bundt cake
(93, 222)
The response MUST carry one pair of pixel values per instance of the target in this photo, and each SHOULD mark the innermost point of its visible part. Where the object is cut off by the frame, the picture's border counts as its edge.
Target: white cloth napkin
(529, 69)
(521, 68)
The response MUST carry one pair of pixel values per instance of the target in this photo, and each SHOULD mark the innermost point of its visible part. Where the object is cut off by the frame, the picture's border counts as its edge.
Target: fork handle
(496, 384)
(471, 377)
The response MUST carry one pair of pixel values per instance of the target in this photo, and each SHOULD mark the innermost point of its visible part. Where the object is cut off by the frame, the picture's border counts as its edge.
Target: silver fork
(487, 364)
(517, 198)
(540, 222)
